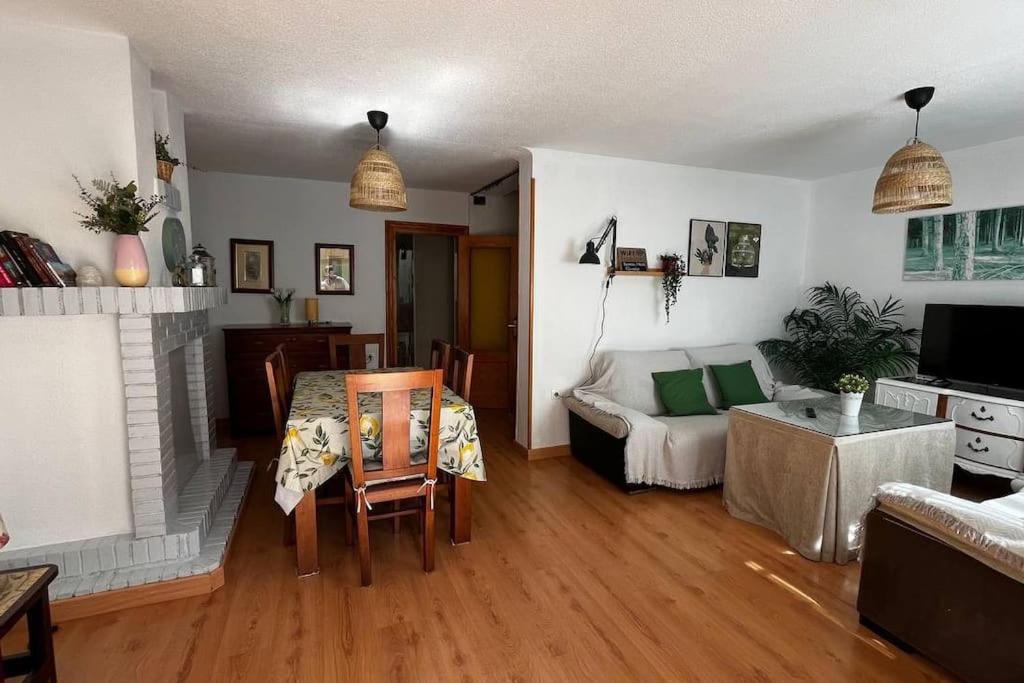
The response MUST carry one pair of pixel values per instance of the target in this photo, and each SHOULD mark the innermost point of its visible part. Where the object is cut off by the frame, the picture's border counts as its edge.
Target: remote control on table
(810, 412)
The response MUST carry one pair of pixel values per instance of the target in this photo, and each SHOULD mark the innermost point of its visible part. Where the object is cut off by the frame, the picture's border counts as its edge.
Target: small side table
(23, 592)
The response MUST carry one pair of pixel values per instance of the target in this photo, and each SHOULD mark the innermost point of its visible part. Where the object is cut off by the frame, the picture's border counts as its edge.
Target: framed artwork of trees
(969, 245)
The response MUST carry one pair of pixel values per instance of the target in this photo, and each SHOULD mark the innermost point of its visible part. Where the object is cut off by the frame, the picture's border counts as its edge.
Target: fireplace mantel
(43, 301)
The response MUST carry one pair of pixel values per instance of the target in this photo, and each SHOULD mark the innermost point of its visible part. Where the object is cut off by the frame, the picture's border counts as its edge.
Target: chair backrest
(279, 384)
(395, 422)
(461, 379)
(440, 356)
(356, 344)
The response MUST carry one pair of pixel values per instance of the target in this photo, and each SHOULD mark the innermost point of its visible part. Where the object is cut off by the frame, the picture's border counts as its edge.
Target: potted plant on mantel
(165, 163)
(673, 269)
(118, 209)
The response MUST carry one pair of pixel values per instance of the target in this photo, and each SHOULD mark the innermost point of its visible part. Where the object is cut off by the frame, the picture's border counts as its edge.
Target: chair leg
(363, 528)
(349, 511)
(289, 530)
(428, 535)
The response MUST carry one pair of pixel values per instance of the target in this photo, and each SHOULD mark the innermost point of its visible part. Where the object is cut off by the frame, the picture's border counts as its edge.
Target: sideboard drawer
(997, 418)
(990, 450)
(914, 400)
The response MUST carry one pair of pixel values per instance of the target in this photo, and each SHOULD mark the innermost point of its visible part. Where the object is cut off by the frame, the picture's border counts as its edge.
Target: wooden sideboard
(245, 349)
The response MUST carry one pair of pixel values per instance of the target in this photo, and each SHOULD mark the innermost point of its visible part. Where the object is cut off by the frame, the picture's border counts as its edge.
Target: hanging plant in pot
(165, 163)
(673, 270)
(851, 393)
(118, 209)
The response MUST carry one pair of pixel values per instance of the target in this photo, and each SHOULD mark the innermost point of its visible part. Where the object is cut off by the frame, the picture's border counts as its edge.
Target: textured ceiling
(799, 88)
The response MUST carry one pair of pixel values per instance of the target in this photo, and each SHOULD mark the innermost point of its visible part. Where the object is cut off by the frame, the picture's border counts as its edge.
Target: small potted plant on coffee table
(165, 163)
(851, 393)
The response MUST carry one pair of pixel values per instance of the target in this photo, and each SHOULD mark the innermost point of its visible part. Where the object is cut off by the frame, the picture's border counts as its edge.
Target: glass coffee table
(811, 479)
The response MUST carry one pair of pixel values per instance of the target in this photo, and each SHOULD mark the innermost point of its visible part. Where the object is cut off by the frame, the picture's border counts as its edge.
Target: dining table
(317, 447)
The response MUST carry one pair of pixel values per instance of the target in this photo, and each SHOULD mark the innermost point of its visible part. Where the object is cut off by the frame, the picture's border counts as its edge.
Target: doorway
(443, 283)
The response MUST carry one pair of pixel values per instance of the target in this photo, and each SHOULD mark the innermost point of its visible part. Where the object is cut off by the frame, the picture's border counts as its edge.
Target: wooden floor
(566, 579)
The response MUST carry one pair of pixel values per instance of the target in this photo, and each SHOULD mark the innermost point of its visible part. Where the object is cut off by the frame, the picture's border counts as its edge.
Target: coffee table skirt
(813, 489)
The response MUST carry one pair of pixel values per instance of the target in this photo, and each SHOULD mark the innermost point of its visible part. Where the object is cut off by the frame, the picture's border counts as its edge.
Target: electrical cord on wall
(600, 334)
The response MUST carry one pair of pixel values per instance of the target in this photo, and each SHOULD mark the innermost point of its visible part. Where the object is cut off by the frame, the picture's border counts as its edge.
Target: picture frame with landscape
(706, 252)
(966, 245)
(334, 268)
(252, 266)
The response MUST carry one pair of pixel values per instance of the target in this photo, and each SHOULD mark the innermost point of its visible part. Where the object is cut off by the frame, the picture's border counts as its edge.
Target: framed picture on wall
(707, 240)
(252, 266)
(743, 250)
(335, 268)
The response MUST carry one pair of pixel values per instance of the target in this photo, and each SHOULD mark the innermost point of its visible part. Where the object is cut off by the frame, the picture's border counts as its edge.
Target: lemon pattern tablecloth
(316, 444)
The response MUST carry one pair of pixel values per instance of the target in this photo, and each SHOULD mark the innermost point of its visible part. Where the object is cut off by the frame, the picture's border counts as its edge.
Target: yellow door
(487, 316)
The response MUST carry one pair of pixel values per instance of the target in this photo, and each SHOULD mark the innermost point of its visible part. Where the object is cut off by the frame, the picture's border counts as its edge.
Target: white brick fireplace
(185, 493)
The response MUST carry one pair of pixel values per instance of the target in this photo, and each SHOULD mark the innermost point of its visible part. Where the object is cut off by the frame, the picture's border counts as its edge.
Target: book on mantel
(28, 262)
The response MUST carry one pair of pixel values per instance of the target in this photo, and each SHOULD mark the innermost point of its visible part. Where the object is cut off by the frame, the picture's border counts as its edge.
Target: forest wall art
(969, 245)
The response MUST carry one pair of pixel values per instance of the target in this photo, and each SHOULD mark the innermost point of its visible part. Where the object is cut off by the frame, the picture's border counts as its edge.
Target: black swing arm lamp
(590, 256)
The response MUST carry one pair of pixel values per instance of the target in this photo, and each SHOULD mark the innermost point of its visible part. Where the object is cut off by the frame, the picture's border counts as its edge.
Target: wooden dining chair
(279, 383)
(461, 379)
(400, 475)
(356, 345)
(441, 356)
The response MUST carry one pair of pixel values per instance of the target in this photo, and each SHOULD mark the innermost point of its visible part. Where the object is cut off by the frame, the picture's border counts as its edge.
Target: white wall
(296, 214)
(577, 193)
(849, 245)
(499, 216)
(67, 109)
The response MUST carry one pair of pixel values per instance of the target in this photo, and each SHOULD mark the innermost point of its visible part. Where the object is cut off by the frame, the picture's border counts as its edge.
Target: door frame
(392, 229)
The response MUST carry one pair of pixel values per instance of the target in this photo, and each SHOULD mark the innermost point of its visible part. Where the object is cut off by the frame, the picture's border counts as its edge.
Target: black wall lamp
(590, 256)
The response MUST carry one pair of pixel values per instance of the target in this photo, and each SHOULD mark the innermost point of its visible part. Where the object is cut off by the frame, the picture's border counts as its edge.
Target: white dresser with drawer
(989, 429)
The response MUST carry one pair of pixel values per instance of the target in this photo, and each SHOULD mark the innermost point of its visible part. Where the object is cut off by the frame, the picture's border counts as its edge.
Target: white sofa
(618, 425)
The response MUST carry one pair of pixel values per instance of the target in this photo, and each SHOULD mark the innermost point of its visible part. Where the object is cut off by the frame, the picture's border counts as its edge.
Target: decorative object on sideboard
(743, 250)
(252, 266)
(590, 255)
(28, 262)
(377, 183)
(916, 176)
(841, 333)
(334, 265)
(283, 297)
(673, 269)
(705, 254)
(165, 163)
(89, 276)
(631, 259)
(118, 209)
(312, 310)
(852, 388)
(967, 245)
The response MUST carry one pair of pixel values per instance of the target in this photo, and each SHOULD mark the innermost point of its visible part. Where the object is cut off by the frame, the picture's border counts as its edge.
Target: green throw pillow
(682, 392)
(738, 384)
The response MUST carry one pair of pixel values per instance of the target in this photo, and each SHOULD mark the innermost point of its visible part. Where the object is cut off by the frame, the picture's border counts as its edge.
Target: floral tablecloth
(316, 444)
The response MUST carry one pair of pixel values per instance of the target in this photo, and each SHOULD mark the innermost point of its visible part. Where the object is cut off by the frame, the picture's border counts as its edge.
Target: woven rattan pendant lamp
(377, 183)
(916, 176)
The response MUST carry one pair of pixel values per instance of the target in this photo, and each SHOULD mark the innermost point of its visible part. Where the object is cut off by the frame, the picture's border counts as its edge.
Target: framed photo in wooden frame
(252, 266)
(334, 266)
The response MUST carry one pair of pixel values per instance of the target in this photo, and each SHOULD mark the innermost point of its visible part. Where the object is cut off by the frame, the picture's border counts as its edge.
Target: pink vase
(131, 267)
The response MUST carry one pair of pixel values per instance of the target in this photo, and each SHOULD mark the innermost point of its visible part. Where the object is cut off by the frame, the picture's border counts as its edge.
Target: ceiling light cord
(917, 122)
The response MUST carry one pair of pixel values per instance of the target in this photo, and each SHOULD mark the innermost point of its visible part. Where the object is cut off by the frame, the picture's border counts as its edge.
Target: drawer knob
(974, 448)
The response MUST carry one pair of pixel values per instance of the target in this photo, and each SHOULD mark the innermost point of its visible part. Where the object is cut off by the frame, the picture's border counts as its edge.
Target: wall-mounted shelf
(650, 272)
(30, 301)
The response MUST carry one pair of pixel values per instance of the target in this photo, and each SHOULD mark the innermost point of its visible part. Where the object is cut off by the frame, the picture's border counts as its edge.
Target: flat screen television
(974, 344)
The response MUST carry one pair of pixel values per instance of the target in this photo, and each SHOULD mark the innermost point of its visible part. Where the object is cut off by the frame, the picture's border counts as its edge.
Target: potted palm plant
(119, 209)
(851, 393)
(165, 163)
